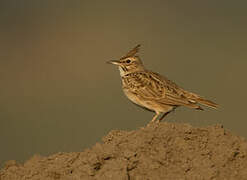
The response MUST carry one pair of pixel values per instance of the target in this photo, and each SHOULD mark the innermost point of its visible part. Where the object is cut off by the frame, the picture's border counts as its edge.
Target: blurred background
(58, 94)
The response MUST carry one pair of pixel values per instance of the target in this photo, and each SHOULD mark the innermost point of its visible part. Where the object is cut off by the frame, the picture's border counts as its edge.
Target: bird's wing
(152, 86)
(142, 84)
(174, 94)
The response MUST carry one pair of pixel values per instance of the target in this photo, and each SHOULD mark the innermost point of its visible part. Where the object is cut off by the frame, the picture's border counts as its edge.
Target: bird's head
(129, 63)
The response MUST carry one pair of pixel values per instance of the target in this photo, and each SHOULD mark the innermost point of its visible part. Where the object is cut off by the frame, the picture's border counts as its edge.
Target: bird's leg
(164, 115)
(155, 116)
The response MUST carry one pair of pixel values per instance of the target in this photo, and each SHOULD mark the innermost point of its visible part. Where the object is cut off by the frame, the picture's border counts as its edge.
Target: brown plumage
(132, 52)
(152, 91)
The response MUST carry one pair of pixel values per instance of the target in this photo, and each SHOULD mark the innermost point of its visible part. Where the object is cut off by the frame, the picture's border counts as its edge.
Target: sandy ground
(160, 151)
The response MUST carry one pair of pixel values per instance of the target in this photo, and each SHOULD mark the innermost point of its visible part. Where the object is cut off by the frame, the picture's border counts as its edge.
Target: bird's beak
(115, 62)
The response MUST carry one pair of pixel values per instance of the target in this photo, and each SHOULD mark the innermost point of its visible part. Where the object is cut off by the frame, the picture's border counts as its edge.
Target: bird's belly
(135, 99)
(148, 104)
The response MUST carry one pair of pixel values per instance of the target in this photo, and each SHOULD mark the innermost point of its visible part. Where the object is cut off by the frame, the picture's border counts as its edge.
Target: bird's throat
(123, 70)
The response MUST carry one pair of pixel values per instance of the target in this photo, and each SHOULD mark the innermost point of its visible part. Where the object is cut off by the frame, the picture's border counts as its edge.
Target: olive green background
(58, 94)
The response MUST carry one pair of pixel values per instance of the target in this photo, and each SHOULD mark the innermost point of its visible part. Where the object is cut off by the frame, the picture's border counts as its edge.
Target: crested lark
(152, 91)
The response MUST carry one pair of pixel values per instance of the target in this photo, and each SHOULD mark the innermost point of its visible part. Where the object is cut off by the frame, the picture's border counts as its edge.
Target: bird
(153, 91)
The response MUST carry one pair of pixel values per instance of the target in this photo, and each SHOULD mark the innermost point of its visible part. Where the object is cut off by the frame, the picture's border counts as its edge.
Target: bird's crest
(132, 52)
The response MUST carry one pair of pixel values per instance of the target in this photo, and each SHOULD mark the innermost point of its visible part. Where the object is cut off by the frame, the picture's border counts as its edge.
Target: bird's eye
(128, 61)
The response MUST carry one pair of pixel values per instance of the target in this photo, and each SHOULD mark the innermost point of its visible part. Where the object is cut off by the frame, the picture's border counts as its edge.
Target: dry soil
(160, 151)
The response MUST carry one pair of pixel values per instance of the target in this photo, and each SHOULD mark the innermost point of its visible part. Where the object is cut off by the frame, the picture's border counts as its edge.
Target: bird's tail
(198, 99)
(206, 102)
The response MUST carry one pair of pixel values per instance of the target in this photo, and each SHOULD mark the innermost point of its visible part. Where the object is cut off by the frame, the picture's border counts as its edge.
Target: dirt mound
(160, 151)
